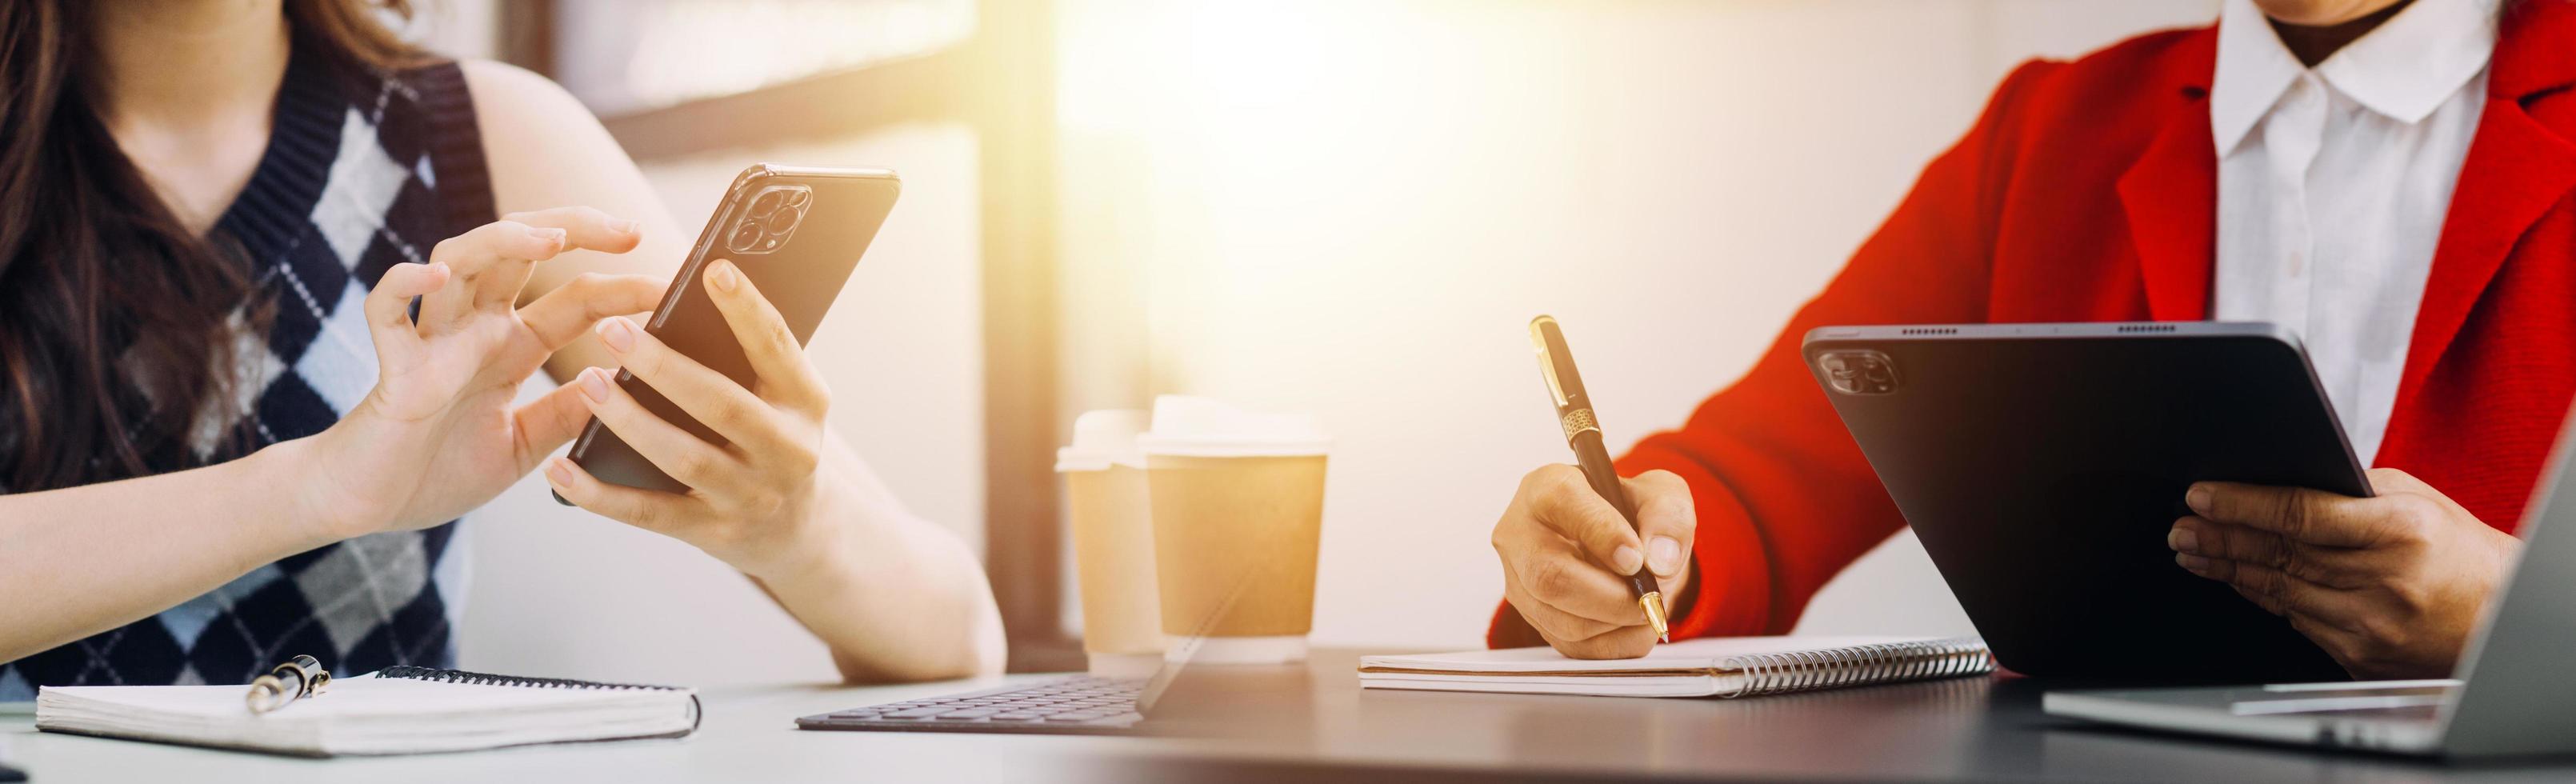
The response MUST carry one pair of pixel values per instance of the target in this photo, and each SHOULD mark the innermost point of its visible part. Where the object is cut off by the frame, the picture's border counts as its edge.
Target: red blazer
(2087, 192)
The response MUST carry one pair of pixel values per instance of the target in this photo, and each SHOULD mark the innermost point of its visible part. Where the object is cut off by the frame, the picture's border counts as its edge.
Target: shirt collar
(2403, 70)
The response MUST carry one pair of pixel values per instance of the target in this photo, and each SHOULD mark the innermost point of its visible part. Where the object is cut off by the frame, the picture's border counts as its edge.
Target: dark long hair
(117, 324)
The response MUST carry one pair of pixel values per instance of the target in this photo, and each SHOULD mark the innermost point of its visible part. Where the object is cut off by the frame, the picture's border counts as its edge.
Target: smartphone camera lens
(1858, 372)
(781, 221)
(769, 219)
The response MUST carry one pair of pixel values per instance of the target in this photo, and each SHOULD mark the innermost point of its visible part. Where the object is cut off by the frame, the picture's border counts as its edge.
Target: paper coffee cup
(1113, 543)
(1238, 506)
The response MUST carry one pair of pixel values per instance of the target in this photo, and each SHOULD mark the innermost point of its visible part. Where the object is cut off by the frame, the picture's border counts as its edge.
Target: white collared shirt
(2333, 183)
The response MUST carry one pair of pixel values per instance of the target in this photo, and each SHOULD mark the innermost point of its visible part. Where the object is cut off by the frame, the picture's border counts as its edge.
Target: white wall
(1350, 208)
(1353, 208)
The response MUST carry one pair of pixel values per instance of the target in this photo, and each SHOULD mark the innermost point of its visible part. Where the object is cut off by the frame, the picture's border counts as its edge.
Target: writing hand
(1555, 540)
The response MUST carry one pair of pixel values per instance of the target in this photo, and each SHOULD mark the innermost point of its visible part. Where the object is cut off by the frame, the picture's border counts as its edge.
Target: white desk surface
(748, 734)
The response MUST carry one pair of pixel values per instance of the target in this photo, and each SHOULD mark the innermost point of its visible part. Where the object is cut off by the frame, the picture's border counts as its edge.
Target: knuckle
(2264, 581)
(2293, 512)
(729, 417)
(646, 360)
(764, 503)
(2411, 515)
(2381, 633)
(803, 458)
(693, 463)
(2412, 600)
(1549, 578)
(2297, 564)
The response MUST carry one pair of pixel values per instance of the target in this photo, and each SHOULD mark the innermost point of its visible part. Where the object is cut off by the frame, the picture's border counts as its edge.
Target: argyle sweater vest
(364, 169)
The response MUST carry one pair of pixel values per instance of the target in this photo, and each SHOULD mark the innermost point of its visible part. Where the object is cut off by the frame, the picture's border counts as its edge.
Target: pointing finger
(388, 309)
(566, 312)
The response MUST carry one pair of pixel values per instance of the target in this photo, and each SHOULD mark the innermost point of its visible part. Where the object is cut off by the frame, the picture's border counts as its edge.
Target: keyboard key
(967, 715)
(917, 713)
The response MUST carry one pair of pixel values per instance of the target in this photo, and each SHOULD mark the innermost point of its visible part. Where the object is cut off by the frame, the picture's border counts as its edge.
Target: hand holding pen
(1575, 561)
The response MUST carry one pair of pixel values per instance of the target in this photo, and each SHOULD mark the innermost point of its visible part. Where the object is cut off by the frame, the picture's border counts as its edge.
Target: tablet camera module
(1858, 372)
(772, 216)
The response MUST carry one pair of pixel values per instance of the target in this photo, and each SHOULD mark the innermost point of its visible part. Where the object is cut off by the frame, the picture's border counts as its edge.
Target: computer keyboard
(1073, 705)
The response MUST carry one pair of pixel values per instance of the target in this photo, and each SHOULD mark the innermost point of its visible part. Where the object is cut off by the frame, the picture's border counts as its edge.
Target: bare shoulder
(544, 149)
(514, 103)
(542, 145)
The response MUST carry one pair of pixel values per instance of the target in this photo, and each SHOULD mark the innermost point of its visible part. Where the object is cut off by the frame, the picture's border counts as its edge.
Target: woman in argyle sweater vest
(229, 434)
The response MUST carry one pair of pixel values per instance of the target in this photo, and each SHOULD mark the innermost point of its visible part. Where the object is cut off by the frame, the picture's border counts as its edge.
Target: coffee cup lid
(1102, 439)
(1205, 427)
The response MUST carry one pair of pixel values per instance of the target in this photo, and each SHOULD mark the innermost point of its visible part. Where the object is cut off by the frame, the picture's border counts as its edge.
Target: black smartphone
(796, 232)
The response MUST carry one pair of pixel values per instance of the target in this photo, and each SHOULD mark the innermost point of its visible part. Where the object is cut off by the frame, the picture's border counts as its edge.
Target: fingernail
(594, 385)
(1664, 555)
(1626, 558)
(559, 471)
(721, 275)
(618, 333)
(2182, 540)
(550, 235)
(2197, 498)
(623, 227)
(2192, 563)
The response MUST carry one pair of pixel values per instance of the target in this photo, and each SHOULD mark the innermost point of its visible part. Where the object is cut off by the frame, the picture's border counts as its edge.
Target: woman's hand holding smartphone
(748, 502)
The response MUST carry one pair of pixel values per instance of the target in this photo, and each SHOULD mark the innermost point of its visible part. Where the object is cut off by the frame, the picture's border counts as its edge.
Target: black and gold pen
(1583, 433)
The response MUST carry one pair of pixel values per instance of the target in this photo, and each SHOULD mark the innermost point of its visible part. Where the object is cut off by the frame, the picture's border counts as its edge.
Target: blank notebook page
(369, 715)
(1714, 666)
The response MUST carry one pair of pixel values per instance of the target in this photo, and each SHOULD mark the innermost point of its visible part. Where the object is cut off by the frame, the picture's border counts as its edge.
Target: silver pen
(298, 678)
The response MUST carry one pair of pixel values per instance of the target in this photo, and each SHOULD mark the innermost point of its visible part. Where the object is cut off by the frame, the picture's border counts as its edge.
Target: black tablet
(2043, 464)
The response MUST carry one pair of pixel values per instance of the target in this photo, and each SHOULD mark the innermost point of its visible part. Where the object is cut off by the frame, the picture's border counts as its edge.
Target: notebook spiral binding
(697, 712)
(1858, 665)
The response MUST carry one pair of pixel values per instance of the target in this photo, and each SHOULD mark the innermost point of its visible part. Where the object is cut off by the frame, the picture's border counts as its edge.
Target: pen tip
(1653, 604)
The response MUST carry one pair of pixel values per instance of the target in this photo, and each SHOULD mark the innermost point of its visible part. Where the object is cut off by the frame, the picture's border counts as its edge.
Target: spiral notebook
(399, 710)
(1706, 667)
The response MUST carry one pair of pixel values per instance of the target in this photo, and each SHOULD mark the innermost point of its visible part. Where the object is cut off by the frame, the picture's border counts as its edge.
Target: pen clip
(273, 691)
(1546, 361)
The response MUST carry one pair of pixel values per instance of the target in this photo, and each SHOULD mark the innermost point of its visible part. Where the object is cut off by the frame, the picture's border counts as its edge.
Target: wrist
(298, 474)
(814, 544)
